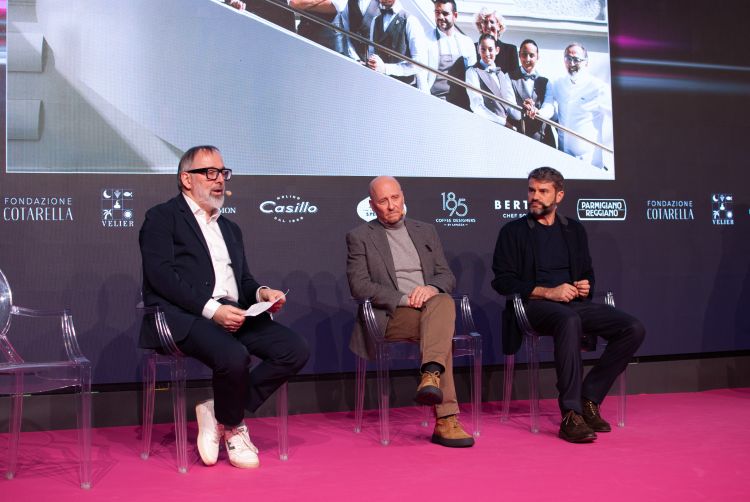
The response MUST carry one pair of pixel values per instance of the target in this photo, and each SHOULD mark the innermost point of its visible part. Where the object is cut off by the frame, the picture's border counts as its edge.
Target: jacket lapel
(191, 221)
(380, 241)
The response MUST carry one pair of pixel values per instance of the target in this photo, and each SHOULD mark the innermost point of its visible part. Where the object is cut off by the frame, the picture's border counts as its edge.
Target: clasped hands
(231, 318)
(566, 292)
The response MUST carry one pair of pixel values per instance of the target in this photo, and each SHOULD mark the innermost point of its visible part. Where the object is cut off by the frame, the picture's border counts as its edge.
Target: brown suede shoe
(428, 392)
(593, 418)
(448, 432)
(574, 430)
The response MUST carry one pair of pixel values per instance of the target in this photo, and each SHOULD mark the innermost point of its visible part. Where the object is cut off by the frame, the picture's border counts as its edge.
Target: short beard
(542, 211)
(216, 202)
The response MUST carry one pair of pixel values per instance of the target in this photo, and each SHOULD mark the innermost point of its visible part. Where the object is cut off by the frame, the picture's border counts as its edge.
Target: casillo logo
(288, 208)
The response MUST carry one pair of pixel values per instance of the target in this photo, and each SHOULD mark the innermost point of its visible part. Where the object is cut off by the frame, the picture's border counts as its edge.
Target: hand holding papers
(260, 307)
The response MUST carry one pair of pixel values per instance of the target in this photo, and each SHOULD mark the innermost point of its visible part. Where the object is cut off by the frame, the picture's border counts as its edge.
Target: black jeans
(236, 388)
(567, 323)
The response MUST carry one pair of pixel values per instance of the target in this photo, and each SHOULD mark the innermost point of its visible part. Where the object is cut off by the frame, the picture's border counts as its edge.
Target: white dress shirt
(583, 104)
(225, 285)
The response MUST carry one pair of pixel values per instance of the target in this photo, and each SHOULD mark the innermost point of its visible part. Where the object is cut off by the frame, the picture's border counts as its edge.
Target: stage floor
(689, 446)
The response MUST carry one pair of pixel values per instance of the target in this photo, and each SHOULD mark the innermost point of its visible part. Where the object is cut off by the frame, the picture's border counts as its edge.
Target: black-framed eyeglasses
(575, 60)
(212, 173)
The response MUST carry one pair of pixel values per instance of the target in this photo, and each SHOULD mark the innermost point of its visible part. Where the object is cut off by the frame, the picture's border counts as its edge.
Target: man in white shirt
(195, 270)
(486, 76)
(583, 104)
(398, 30)
(449, 51)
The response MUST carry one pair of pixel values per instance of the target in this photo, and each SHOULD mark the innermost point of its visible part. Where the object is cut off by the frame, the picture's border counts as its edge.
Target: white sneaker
(209, 432)
(242, 452)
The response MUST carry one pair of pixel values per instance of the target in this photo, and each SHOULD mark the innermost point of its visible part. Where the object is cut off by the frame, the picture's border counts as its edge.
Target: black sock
(432, 367)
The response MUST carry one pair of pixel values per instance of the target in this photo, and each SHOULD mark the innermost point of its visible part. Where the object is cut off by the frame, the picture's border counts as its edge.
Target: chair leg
(384, 393)
(359, 393)
(621, 399)
(426, 414)
(476, 385)
(532, 347)
(178, 406)
(149, 389)
(84, 425)
(14, 427)
(282, 414)
(507, 386)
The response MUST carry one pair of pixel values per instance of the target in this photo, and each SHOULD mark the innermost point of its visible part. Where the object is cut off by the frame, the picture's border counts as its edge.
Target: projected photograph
(127, 87)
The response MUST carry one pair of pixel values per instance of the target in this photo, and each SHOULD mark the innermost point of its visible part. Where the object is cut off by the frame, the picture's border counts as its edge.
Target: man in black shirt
(544, 258)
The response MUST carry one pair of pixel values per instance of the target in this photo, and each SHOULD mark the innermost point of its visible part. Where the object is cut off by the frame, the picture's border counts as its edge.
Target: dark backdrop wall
(676, 256)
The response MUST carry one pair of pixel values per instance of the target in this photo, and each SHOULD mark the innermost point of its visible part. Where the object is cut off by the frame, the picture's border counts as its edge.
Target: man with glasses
(583, 104)
(195, 269)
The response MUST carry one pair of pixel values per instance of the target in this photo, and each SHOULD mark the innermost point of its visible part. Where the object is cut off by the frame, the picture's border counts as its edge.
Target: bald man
(399, 264)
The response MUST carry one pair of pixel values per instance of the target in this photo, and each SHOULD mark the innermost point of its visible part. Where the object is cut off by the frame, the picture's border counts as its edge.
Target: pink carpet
(680, 447)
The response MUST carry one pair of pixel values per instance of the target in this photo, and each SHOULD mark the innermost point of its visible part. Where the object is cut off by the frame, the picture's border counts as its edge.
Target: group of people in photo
(195, 269)
(517, 95)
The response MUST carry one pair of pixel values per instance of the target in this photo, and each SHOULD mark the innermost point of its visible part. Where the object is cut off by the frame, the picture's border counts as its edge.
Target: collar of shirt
(579, 78)
(524, 72)
(396, 7)
(486, 66)
(198, 212)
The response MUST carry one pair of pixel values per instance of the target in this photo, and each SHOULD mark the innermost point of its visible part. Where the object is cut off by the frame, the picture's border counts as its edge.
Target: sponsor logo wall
(455, 211)
(37, 208)
(117, 208)
(669, 210)
(722, 212)
(602, 209)
(511, 209)
(288, 208)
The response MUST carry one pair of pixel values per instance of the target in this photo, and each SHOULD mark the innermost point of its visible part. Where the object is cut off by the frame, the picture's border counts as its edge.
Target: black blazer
(514, 265)
(178, 274)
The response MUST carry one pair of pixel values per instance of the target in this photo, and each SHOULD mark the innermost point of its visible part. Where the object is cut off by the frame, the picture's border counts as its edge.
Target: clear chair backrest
(6, 304)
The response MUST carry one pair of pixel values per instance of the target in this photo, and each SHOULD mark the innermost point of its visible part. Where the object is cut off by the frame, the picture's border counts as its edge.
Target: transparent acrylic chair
(466, 342)
(534, 344)
(172, 358)
(19, 377)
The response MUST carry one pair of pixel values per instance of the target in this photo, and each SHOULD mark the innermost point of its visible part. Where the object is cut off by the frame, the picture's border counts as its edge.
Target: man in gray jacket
(399, 264)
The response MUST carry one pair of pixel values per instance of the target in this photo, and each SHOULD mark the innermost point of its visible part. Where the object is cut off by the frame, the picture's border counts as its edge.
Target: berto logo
(455, 209)
(512, 208)
(602, 209)
(117, 210)
(288, 208)
(721, 209)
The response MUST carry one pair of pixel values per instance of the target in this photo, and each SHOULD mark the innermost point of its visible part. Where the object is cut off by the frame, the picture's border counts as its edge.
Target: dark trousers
(567, 323)
(282, 353)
